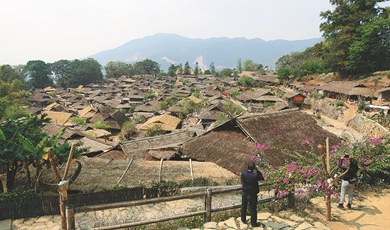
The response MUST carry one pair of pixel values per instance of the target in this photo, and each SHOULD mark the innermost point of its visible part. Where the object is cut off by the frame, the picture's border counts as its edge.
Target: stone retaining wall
(326, 106)
(360, 123)
(367, 126)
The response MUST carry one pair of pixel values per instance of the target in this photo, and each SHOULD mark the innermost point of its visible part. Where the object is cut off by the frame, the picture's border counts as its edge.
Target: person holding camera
(250, 188)
(349, 179)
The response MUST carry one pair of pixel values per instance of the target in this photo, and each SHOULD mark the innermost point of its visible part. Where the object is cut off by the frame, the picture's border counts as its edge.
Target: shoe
(244, 222)
(349, 206)
(341, 206)
(256, 225)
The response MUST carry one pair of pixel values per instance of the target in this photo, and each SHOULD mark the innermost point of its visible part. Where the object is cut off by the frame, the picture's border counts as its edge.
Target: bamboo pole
(220, 170)
(68, 162)
(327, 176)
(123, 175)
(327, 157)
(191, 171)
(160, 171)
(53, 167)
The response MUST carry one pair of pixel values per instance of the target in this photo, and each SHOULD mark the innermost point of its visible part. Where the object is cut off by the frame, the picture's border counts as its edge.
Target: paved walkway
(151, 211)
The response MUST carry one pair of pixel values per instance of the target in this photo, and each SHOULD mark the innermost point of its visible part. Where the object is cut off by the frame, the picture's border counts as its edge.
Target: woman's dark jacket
(352, 172)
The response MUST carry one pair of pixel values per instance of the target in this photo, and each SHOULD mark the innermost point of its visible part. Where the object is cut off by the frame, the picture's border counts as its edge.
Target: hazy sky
(53, 30)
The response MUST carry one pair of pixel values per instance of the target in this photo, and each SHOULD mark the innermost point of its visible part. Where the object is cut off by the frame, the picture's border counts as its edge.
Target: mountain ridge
(222, 51)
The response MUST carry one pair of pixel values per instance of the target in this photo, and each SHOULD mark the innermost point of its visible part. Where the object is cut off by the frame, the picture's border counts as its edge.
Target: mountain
(224, 52)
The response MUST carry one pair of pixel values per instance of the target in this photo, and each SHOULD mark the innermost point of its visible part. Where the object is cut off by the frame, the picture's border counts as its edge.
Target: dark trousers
(252, 200)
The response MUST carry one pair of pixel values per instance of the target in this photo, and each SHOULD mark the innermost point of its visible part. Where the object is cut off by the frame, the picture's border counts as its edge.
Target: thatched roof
(166, 121)
(93, 145)
(291, 94)
(229, 144)
(225, 145)
(96, 133)
(269, 98)
(162, 153)
(136, 149)
(287, 130)
(279, 105)
(152, 106)
(53, 129)
(99, 173)
(252, 95)
(58, 118)
(87, 112)
(266, 78)
(346, 87)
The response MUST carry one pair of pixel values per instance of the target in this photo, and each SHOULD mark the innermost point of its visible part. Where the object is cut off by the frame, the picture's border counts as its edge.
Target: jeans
(252, 200)
(346, 186)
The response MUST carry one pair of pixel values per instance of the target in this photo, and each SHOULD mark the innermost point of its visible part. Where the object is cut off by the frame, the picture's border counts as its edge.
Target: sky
(50, 30)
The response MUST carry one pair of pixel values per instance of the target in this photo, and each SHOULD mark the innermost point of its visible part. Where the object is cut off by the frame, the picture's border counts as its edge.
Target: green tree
(38, 74)
(180, 69)
(239, 66)
(187, 69)
(351, 30)
(212, 68)
(196, 70)
(246, 82)
(76, 72)
(227, 72)
(172, 70)
(147, 66)
(12, 151)
(128, 129)
(118, 69)
(8, 74)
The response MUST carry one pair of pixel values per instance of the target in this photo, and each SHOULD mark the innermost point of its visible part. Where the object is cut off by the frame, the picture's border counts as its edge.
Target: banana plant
(11, 153)
(38, 153)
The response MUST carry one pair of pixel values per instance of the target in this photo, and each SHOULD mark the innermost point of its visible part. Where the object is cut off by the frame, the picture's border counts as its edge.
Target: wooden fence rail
(206, 212)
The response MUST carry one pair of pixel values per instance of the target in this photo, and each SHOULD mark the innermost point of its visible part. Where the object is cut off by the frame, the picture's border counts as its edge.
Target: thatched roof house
(98, 173)
(383, 94)
(59, 118)
(166, 121)
(230, 144)
(345, 90)
(137, 148)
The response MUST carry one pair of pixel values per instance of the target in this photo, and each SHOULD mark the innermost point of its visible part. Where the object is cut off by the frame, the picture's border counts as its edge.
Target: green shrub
(100, 125)
(77, 120)
(155, 130)
(269, 104)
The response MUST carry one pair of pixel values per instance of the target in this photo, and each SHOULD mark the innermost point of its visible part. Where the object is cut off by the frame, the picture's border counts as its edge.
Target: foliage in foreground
(305, 176)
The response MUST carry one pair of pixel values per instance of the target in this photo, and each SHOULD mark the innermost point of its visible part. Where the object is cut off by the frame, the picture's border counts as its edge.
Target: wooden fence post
(208, 198)
(70, 220)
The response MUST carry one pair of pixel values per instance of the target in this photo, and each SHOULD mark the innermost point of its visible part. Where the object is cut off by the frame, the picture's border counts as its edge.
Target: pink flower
(362, 169)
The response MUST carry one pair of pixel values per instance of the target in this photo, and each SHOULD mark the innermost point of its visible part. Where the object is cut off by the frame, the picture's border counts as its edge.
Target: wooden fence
(207, 194)
(49, 205)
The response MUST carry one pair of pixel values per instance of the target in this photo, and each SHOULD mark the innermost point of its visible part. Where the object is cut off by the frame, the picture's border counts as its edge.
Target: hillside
(224, 52)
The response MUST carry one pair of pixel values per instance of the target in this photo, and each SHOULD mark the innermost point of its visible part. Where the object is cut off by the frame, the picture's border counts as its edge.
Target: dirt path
(369, 212)
(340, 128)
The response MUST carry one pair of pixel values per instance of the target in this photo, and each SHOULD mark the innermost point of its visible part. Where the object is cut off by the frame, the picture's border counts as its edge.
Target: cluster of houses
(268, 119)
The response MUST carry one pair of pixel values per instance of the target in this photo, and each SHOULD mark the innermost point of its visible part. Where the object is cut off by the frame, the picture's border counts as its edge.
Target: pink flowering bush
(373, 156)
(305, 175)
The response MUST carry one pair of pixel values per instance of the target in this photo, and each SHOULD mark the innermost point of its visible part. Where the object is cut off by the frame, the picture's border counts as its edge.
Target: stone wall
(367, 126)
(360, 123)
(327, 107)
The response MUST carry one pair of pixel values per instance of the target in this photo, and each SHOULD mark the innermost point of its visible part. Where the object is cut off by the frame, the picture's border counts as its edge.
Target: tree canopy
(38, 74)
(76, 72)
(356, 37)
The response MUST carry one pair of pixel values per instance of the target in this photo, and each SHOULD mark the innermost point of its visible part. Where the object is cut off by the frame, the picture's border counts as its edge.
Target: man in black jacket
(250, 187)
